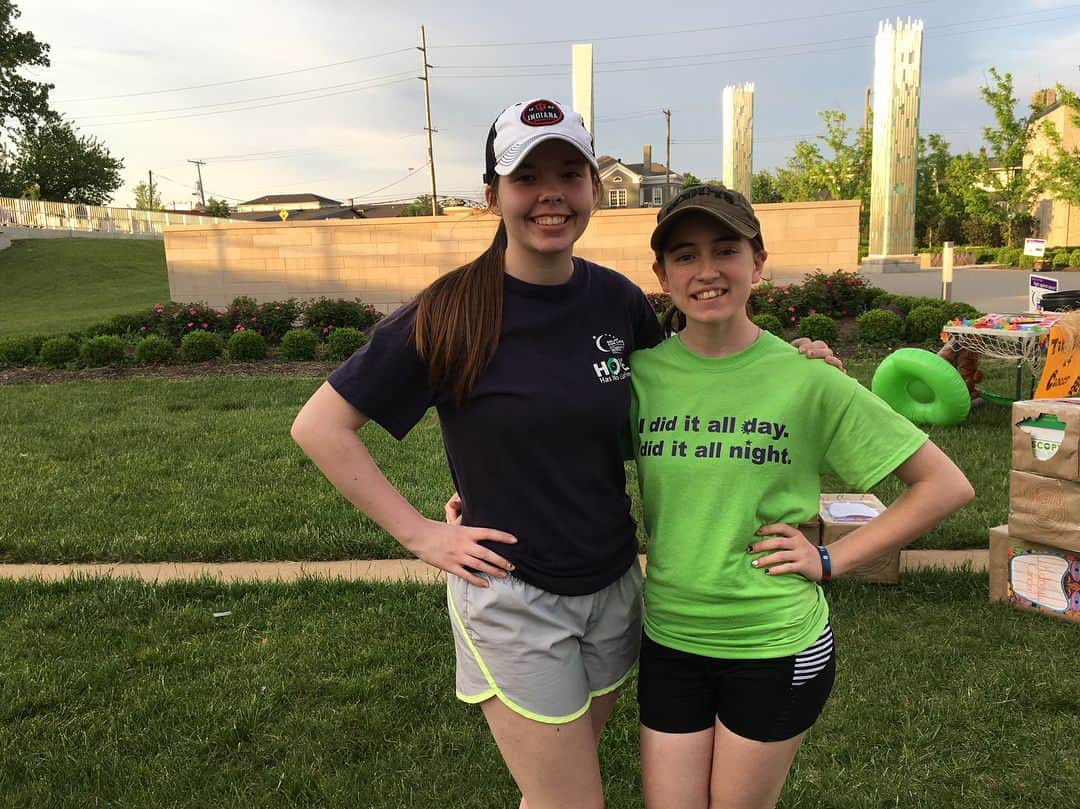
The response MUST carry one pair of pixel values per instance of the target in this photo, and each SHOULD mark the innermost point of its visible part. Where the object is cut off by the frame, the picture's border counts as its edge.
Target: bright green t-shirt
(724, 446)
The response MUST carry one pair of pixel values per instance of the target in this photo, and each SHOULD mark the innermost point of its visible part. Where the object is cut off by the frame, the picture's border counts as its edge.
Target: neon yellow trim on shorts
(497, 692)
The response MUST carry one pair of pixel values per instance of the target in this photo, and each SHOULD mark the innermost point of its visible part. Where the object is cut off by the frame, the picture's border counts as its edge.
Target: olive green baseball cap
(730, 208)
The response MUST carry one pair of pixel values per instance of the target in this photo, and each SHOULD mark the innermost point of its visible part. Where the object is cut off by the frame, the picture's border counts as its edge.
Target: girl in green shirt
(731, 434)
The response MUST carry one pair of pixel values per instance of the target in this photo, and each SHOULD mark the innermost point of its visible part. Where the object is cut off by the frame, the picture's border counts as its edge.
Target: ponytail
(458, 320)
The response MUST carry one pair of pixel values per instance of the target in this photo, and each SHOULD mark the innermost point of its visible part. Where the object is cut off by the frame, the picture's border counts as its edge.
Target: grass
(204, 470)
(332, 695)
(53, 286)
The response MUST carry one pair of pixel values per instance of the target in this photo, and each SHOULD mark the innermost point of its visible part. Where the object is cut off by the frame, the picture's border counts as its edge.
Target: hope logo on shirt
(613, 368)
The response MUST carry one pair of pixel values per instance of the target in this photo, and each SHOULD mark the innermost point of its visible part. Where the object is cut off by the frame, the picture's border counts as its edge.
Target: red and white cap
(525, 125)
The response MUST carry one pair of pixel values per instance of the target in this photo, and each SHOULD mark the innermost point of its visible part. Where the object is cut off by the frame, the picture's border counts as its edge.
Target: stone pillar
(897, 80)
(738, 122)
(582, 78)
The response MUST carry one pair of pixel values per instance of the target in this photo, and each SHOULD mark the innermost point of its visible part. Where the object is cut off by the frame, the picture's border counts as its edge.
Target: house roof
(311, 214)
(653, 170)
(284, 199)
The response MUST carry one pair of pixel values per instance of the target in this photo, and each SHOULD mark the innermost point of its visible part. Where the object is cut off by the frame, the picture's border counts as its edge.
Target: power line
(390, 185)
(248, 100)
(654, 34)
(255, 107)
(239, 81)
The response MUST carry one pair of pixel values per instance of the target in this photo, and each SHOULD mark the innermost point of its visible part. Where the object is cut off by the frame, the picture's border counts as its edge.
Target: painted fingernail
(509, 567)
(749, 548)
(754, 563)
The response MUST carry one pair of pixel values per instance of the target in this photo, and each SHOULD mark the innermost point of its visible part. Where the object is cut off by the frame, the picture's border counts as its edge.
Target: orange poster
(1061, 373)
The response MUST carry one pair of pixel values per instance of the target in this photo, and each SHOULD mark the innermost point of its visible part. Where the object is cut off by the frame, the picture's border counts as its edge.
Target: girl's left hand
(792, 552)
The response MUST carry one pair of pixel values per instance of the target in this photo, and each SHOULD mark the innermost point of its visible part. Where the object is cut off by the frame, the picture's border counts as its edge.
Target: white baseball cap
(523, 126)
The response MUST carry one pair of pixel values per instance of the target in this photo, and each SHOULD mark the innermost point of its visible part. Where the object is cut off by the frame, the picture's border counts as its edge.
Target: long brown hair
(458, 320)
(459, 315)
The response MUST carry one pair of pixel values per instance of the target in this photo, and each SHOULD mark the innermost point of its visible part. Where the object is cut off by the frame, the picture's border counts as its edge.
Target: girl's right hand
(454, 548)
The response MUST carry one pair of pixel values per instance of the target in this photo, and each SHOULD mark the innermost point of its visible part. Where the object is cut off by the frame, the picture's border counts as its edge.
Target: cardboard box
(1046, 437)
(884, 569)
(1044, 509)
(1034, 576)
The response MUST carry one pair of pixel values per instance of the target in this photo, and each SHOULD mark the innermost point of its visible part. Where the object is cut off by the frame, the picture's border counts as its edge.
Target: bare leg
(555, 766)
(676, 768)
(748, 774)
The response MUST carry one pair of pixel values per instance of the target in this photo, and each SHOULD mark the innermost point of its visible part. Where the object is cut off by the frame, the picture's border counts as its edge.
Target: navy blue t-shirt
(535, 449)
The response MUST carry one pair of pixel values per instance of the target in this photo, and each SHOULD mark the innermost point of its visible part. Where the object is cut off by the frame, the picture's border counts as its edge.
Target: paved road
(986, 290)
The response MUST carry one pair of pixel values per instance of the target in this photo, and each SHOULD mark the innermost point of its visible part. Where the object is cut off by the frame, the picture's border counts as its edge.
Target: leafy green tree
(764, 187)
(21, 99)
(421, 206)
(218, 207)
(841, 173)
(1059, 169)
(64, 165)
(690, 179)
(993, 183)
(143, 200)
(939, 207)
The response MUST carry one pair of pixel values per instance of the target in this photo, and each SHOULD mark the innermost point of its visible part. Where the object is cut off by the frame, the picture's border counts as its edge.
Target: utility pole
(667, 160)
(866, 110)
(427, 111)
(150, 200)
(198, 167)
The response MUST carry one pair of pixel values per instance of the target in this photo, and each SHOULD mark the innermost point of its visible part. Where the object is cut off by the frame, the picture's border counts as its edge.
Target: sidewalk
(360, 570)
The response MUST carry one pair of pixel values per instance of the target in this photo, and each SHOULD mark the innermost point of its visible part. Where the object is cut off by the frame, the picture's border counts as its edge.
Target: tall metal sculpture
(738, 149)
(897, 81)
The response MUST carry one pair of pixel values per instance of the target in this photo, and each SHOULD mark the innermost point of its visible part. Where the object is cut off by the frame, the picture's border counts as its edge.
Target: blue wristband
(826, 564)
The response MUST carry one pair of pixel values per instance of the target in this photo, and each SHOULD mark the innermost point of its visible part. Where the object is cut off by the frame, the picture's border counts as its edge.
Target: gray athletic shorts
(545, 656)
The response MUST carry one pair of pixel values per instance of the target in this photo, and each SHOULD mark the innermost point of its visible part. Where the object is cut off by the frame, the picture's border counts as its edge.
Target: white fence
(29, 213)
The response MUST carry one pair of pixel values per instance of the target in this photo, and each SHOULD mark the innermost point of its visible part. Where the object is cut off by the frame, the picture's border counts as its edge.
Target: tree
(764, 188)
(143, 200)
(810, 175)
(690, 180)
(21, 99)
(1059, 169)
(218, 207)
(421, 206)
(939, 207)
(994, 185)
(64, 165)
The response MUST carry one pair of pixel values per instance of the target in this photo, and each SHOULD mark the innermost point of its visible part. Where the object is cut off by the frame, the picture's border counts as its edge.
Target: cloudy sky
(321, 96)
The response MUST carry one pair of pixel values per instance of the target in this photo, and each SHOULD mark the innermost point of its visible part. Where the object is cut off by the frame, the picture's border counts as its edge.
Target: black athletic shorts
(764, 700)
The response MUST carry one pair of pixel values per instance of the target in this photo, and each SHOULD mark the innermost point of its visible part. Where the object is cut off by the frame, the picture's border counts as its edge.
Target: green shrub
(980, 232)
(1074, 258)
(769, 323)
(299, 344)
(984, 255)
(323, 315)
(97, 330)
(154, 350)
(126, 324)
(924, 323)
(57, 352)
(818, 327)
(17, 351)
(174, 320)
(247, 346)
(838, 294)
(201, 346)
(1027, 262)
(105, 349)
(271, 319)
(959, 309)
(879, 327)
(1009, 256)
(1061, 261)
(341, 343)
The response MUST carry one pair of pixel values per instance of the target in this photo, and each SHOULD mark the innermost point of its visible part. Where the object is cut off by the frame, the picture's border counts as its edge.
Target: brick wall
(387, 261)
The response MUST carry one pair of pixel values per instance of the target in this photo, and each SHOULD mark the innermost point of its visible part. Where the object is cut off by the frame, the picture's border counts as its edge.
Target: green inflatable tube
(922, 387)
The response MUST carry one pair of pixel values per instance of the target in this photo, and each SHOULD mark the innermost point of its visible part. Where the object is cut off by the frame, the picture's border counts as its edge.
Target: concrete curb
(381, 570)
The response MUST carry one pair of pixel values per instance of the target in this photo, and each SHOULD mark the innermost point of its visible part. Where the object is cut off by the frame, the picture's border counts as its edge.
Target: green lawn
(52, 286)
(204, 470)
(341, 695)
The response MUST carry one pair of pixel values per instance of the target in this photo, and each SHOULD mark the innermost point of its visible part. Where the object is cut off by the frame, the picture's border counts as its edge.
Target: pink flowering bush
(174, 320)
(323, 315)
(271, 319)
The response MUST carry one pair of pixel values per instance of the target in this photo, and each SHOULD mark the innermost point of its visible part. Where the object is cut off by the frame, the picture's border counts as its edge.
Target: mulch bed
(314, 370)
